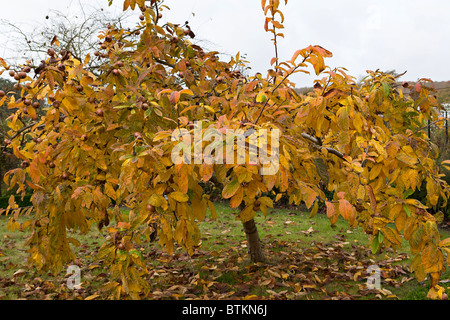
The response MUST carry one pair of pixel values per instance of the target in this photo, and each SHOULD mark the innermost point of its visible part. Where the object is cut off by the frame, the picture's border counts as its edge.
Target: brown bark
(253, 243)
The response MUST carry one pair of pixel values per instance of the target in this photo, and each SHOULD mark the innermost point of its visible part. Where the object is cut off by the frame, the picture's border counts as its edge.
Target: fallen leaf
(19, 272)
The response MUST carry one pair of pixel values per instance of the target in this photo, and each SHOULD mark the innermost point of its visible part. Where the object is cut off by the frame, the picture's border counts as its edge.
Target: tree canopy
(108, 139)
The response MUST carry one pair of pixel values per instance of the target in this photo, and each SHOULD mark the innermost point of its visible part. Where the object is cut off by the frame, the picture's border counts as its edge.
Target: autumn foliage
(105, 139)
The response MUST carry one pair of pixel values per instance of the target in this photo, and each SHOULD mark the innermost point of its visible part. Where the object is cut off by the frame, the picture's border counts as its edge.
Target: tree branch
(278, 85)
(423, 128)
(318, 143)
(164, 63)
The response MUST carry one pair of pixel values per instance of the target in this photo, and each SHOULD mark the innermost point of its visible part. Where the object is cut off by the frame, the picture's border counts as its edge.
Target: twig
(278, 85)
(319, 144)
(23, 129)
(165, 63)
(365, 160)
(420, 129)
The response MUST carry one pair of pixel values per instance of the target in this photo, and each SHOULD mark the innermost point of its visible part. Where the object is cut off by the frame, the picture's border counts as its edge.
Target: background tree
(7, 160)
(110, 138)
(75, 31)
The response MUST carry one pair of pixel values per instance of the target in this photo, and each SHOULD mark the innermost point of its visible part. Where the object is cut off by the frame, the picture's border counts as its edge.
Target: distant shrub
(26, 202)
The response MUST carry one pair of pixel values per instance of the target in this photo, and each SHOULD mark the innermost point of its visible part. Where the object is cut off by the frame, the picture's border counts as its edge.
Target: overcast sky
(405, 35)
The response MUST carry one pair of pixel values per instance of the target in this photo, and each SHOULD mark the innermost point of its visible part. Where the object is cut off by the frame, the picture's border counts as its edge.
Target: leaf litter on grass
(335, 270)
(219, 269)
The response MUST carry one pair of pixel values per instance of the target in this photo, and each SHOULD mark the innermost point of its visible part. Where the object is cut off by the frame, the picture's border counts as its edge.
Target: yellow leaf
(230, 188)
(432, 192)
(358, 122)
(109, 191)
(86, 80)
(162, 135)
(179, 196)
(266, 201)
(156, 200)
(417, 267)
(87, 59)
(446, 164)
(444, 243)
(187, 91)
(309, 196)
(343, 123)
(410, 225)
(261, 97)
(375, 171)
(236, 199)
(274, 273)
(436, 293)
(209, 108)
(416, 239)
(373, 200)
(381, 150)
(199, 208)
(212, 209)
(247, 214)
(391, 235)
(314, 209)
(395, 210)
(432, 258)
(392, 148)
(403, 157)
(55, 41)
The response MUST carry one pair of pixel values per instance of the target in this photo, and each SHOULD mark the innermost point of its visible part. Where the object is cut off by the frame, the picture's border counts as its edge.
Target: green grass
(306, 259)
(302, 233)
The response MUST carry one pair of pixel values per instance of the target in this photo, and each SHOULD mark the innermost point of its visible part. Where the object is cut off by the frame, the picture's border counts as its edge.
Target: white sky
(405, 35)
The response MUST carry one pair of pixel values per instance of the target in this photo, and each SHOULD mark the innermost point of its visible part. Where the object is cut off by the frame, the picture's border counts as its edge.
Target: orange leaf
(302, 52)
(322, 51)
(266, 24)
(331, 212)
(373, 201)
(276, 24)
(418, 87)
(124, 225)
(346, 210)
(236, 200)
(174, 97)
(341, 195)
(54, 41)
(34, 172)
(206, 171)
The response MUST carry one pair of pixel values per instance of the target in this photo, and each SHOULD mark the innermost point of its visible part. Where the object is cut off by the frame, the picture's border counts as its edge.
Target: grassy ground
(306, 259)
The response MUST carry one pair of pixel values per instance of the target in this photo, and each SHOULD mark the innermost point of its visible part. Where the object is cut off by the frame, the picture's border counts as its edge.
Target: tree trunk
(3, 164)
(253, 243)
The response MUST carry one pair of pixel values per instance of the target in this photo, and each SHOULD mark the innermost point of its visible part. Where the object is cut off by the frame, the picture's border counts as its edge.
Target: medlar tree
(109, 139)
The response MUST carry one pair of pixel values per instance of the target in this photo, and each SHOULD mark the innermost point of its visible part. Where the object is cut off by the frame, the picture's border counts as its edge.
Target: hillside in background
(442, 90)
